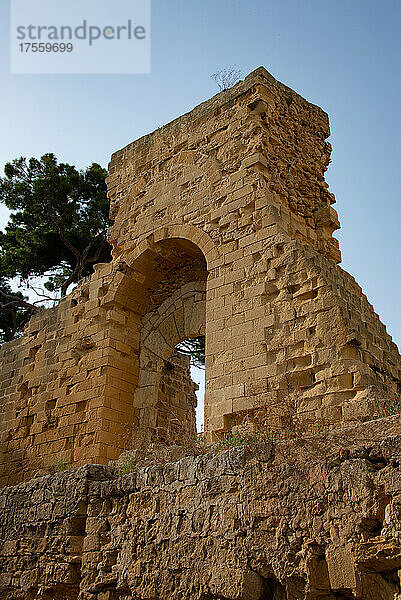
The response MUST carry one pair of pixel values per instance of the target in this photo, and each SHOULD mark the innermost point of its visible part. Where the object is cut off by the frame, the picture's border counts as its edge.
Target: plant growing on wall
(227, 77)
(56, 231)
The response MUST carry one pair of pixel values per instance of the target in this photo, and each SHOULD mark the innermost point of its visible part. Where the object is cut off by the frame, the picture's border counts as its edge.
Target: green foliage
(393, 409)
(61, 465)
(241, 439)
(14, 313)
(195, 348)
(127, 466)
(232, 440)
(58, 223)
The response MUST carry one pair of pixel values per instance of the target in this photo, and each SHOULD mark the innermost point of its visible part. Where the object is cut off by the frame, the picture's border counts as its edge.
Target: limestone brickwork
(59, 405)
(310, 519)
(176, 420)
(223, 226)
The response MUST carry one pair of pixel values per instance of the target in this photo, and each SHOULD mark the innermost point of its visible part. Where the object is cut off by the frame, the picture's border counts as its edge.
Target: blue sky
(343, 55)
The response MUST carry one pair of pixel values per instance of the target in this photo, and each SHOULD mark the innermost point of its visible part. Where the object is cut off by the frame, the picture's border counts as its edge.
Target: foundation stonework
(310, 519)
(222, 227)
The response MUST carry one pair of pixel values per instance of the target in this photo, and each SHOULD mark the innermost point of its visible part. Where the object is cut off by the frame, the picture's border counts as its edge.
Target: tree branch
(67, 243)
(95, 258)
(15, 301)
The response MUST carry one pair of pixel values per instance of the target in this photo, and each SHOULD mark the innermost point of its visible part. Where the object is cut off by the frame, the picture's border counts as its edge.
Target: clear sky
(343, 55)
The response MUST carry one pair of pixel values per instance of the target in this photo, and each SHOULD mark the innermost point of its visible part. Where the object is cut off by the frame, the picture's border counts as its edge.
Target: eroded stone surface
(316, 518)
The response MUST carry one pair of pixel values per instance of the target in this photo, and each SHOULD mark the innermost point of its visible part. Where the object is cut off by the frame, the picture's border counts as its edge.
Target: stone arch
(179, 317)
(187, 233)
(163, 284)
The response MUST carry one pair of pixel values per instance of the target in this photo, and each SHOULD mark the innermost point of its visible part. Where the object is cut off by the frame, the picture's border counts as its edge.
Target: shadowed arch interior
(174, 309)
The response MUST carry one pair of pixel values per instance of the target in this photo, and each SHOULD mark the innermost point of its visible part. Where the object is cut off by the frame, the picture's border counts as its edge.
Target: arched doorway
(174, 286)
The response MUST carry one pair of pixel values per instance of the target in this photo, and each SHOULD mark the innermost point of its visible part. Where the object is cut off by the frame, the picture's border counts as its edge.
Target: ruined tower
(223, 227)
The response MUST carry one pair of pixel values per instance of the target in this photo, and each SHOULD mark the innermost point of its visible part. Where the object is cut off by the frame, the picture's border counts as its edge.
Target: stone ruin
(223, 227)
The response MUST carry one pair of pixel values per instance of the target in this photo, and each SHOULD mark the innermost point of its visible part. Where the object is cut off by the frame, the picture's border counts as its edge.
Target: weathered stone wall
(58, 402)
(176, 419)
(51, 385)
(222, 226)
(310, 519)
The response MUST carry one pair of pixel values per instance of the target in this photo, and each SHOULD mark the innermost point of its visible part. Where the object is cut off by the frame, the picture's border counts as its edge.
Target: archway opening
(174, 287)
(194, 348)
